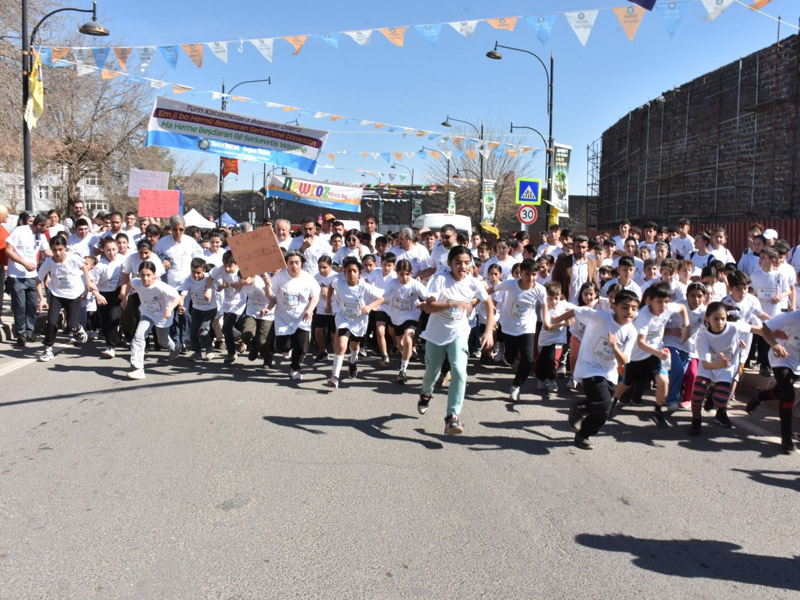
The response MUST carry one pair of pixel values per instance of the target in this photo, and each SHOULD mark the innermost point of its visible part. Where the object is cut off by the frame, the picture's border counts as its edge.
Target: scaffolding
(593, 156)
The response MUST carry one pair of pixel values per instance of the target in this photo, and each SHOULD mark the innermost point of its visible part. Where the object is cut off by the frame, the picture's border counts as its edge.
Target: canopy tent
(229, 221)
(195, 219)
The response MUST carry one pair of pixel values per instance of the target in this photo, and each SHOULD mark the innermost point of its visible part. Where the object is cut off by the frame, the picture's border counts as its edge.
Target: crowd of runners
(650, 308)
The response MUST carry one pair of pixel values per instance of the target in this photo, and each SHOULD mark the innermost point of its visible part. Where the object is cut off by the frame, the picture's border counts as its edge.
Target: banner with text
(488, 201)
(561, 179)
(176, 124)
(314, 193)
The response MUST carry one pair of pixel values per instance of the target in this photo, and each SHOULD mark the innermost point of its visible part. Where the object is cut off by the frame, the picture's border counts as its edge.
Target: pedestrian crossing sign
(529, 191)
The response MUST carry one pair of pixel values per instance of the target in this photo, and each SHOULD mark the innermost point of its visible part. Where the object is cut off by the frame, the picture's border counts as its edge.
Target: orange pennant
(332, 157)
(526, 149)
(759, 4)
(512, 152)
(229, 165)
(394, 35)
(420, 133)
(458, 140)
(493, 145)
(195, 52)
(180, 89)
(59, 53)
(365, 154)
(122, 57)
(107, 74)
(630, 17)
(242, 98)
(336, 117)
(433, 154)
(289, 108)
(398, 156)
(296, 41)
(379, 125)
(507, 23)
(472, 153)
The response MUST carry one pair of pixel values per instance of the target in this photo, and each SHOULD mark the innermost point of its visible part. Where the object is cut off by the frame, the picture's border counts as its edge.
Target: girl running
(401, 302)
(108, 274)
(588, 295)
(203, 308)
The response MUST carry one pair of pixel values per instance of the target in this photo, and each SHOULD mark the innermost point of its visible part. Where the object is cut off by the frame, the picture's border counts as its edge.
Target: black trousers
(599, 393)
(110, 317)
(521, 345)
(72, 306)
(298, 342)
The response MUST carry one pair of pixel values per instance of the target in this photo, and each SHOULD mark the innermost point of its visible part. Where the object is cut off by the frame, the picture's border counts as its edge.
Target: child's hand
(181, 309)
(742, 345)
(780, 351)
(780, 335)
(612, 340)
(101, 300)
(42, 305)
(774, 299)
(207, 295)
(168, 314)
(724, 360)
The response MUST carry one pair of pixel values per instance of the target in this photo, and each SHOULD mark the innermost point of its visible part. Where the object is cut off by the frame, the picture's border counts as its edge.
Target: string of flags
(581, 22)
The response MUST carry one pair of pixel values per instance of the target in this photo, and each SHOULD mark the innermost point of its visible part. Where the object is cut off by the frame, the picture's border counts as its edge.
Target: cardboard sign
(257, 252)
(159, 203)
(147, 180)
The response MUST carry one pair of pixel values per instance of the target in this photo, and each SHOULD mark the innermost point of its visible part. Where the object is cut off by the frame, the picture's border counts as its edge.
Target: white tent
(194, 218)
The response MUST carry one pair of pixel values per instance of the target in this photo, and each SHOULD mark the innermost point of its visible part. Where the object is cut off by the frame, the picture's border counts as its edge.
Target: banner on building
(560, 198)
(314, 193)
(488, 201)
(176, 124)
(451, 203)
(416, 209)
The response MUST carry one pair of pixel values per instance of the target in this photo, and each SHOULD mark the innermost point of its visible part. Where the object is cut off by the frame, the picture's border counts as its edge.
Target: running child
(226, 279)
(588, 295)
(203, 308)
(258, 316)
(683, 354)
(552, 338)
(324, 323)
(108, 275)
(379, 318)
(401, 298)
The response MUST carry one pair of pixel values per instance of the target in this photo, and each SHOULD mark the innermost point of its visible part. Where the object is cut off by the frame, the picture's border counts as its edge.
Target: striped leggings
(721, 392)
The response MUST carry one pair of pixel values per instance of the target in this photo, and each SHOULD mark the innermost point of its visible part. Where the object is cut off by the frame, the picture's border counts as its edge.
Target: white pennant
(715, 8)
(321, 115)
(485, 152)
(146, 54)
(155, 83)
(81, 55)
(216, 95)
(407, 130)
(582, 23)
(361, 36)
(265, 47)
(448, 154)
(365, 122)
(465, 28)
(220, 50)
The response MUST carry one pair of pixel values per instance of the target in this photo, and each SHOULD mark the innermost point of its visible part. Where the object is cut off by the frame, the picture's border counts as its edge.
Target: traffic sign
(529, 191)
(527, 214)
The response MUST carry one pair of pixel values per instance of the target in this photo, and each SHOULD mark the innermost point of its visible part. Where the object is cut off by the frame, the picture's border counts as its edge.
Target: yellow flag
(35, 106)
(553, 216)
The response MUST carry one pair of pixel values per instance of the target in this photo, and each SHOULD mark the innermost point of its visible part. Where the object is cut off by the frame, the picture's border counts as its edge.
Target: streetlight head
(394, 166)
(93, 28)
(494, 55)
(446, 123)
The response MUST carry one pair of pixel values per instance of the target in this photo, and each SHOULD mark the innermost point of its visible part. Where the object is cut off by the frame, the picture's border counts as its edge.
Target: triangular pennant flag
(336, 117)
(216, 95)
(46, 57)
(435, 136)
(526, 149)
(155, 83)
(512, 152)
(220, 50)
(81, 55)
(407, 130)
(375, 155)
(434, 154)
(672, 15)
(506, 23)
(430, 33)
(108, 74)
(472, 153)
(402, 178)
(759, 4)
(241, 98)
(648, 4)
(394, 35)
(458, 153)
(287, 109)
(420, 133)
(498, 152)
(485, 152)
(448, 154)
(465, 28)
(392, 176)
(421, 154)
(365, 154)
(410, 154)
(296, 41)
(320, 115)
(398, 156)
(542, 26)
(379, 125)
(195, 52)
(332, 157)
(630, 17)
(361, 36)
(365, 122)
(493, 145)
(146, 54)
(387, 156)
(458, 140)
(582, 23)
(715, 8)
(329, 38)
(170, 54)
(58, 54)
(265, 47)
(100, 56)
(122, 55)
(180, 89)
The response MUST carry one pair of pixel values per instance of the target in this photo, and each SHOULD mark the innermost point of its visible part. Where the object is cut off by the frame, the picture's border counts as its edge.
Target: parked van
(435, 221)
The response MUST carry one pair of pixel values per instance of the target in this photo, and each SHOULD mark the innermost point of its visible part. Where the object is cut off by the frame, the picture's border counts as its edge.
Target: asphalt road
(231, 482)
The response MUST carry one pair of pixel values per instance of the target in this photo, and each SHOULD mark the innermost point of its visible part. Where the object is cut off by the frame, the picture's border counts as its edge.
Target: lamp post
(89, 28)
(411, 171)
(448, 164)
(446, 123)
(378, 179)
(495, 55)
(224, 106)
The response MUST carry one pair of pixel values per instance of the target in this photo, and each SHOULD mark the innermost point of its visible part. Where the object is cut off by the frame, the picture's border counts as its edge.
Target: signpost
(527, 214)
(529, 191)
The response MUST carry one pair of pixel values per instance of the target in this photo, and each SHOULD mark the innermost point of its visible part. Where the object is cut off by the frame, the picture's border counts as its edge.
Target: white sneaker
(175, 352)
(552, 386)
(210, 355)
(81, 336)
(47, 354)
(136, 374)
(514, 395)
(542, 385)
(296, 375)
(108, 352)
(572, 385)
(333, 382)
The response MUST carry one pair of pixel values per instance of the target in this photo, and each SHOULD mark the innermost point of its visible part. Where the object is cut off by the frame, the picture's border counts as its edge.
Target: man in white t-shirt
(682, 245)
(624, 233)
(310, 245)
(117, 221)
(371, 227)
(407, 248)
(283, 233)
(131, 230)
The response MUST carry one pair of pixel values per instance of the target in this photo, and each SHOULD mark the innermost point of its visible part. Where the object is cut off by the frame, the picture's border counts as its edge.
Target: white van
(435, 221)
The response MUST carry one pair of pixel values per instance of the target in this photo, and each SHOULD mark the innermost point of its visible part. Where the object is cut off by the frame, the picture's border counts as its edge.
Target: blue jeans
(680, 362)
(24, 304)
(457, 352)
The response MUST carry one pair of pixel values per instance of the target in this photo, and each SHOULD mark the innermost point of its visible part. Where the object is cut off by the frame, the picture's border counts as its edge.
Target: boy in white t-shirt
(771, 287)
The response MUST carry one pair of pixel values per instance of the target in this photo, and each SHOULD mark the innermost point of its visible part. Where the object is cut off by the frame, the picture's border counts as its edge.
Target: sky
(419, 84)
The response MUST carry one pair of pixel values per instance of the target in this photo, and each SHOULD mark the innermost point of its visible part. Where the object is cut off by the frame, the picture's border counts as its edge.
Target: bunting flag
(107, 74)
(672, 15)
(582, 23)
(146, 54)
(759, 4)
(505, 23)
(100, 56)
(647, 4)
(715, 8)
(542, 26)
(630, 17)
(58, 54)
(180, 89)
(195, 52)
(296, 41)
(430, 33)
(360, 37)
(465, 28)
(229, 165)
(264, 47)
(35, 106)
(81, 55)
(122, 55)
(394, 35)
(170, 54)
(398, 156)
(329, 38)
(220, 50)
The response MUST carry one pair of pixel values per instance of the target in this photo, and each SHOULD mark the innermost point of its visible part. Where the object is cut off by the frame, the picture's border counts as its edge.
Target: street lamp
(411, 171)
(495, 55)
(446, 123)
(448, 163)
(378, 179)
(224, 106)
(92, 27)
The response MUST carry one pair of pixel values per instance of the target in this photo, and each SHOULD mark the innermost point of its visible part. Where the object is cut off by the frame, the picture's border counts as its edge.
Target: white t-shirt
(56, 229)
(213, 259)
(66, 278)
(345, 252)
(766, 285)
(638, 268)
(27, 244)
(377, 279)
(322, 305)
(682, 246)
(790, 276)
(619, 241)
(312, 254)
(292, 297)
(418, 257)
(108, 274)
(400, 301)
(506, 265)
(196, 290)
(179, 255)
(257, 299)
(134, 261)
(233, 300)
(154, 301)
(559, 335)
(447, 325)
(697, 318)
(351, 300)
(710, 345)
(85, 246)
(723, 254)
(631, 287)
(748, 264)
(438, 259)
(652, 327)
(517, 312)
(700, 262)
(788, 323)
(596, 357)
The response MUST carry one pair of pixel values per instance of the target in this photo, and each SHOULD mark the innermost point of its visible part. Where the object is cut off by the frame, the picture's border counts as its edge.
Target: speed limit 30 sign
(527, 214)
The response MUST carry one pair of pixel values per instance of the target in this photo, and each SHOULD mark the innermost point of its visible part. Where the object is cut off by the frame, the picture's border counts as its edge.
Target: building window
(20, 192)
(91, 179)
(44, 192)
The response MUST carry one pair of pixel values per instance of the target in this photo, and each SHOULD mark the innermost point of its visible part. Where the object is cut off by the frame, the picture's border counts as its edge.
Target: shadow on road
(374, 428)
(709, 559)
(785, 479)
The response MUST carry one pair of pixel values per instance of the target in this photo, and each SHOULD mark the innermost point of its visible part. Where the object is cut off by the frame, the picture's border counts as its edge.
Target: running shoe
(174, 353)
(81, 336)
(296, 375)
(209, 355)
(109, 352)
(230, 359)
(552, 386)
(452, 426)
(694, 428)
(755, 401)
(333, 382)
(385, 361)
(673, 406)
(514, 394)
(393, 350)
(575, 418)
(352, 369)
(660, 419)
(541, 385)
(582, 442)
(572, 385)
(788, 447)
(252, 353)
(422, 405)
(136, 374)
(721, 418)
(321, 357)
(47, 354)
(765, 371)
(402, 377)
